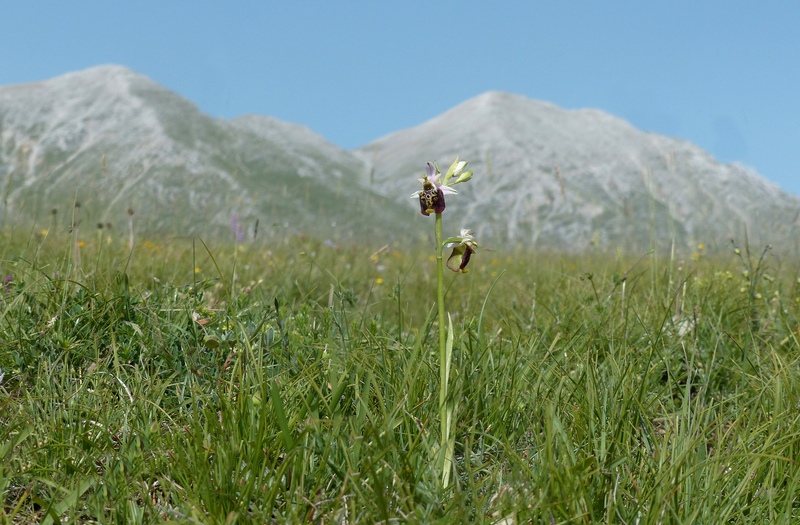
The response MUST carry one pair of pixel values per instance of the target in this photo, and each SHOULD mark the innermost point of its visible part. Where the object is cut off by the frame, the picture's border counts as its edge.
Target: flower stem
(443, 428)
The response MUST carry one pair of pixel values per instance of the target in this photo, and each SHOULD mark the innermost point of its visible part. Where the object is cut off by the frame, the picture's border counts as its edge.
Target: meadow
(296, 381)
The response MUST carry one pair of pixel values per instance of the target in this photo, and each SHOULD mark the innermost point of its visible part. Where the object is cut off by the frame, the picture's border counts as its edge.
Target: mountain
(565, 179)
(113, 139)
(546, 177)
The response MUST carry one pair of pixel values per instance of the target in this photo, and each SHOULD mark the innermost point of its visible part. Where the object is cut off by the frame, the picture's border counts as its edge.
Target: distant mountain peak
(501, 100)
(544, 176)
(110, 79)
(114, 139)
(577, 178)
(102, 74)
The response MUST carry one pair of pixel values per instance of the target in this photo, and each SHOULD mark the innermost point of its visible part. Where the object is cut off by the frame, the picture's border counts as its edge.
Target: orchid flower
(431, 196)
(463, 247)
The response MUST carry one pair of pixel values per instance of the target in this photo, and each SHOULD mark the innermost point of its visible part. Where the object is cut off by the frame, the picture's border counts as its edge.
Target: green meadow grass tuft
(296, 381)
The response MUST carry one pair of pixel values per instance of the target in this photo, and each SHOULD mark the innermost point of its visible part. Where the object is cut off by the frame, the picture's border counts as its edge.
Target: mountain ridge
(545, 176)
(114, 139)
(576, 178)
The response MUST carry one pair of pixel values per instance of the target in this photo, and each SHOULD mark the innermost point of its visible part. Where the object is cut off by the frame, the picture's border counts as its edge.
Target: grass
(297, 382)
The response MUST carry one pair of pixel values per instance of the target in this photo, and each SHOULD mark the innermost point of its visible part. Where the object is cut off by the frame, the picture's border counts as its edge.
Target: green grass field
(294, 382)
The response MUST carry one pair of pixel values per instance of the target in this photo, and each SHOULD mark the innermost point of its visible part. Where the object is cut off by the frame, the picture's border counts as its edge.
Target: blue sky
(724, 75)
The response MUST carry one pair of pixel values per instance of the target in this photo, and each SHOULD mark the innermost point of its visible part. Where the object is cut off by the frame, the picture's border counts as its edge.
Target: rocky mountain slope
(546, 177)
(113, 139)
(570, 179)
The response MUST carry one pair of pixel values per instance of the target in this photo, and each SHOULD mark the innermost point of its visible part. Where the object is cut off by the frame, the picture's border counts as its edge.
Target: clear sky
(724, 75)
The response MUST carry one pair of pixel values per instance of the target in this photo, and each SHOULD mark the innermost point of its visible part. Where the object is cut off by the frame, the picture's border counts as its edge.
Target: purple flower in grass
(237, 229)
(431, 196)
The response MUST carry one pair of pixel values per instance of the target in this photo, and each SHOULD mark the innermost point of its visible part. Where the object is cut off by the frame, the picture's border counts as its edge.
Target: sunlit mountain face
(545, 177)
